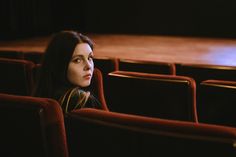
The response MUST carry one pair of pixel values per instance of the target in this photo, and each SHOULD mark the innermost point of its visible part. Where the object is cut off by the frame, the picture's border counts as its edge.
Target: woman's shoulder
(76, 98)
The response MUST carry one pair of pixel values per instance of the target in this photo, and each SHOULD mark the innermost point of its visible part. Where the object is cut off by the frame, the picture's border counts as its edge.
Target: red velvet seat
(147, 66)
(201, 72)
(105, 65)
(163, 96)
(217, 102)
(101, 133)
(31, 127)
(96, 87)
(16, 76)
(36, 73)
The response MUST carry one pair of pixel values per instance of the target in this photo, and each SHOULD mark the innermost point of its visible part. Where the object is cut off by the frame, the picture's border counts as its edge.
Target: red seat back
(217, 100)
(163, 96)
(105, 65)
(16, 76)
(106, 134)
(31, 127)
(35, 57)
(147, 66)
(11, 54)
(201, 72)
(96, 87)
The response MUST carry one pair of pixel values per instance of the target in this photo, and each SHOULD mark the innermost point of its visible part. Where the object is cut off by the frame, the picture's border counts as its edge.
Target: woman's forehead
(82, 49)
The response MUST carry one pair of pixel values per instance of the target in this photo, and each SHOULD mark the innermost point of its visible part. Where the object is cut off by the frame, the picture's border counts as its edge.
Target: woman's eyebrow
(76, 56)
(82, 56)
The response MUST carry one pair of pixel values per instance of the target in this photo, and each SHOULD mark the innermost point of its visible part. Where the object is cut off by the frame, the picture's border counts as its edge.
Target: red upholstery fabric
(116, 134)
(105, 65)
(201, 72)
(147, 66)
(31, 127)
(224, 83)
(163, 96)
(36, 73)
(16, 76)
(217, 99)
(97, 87)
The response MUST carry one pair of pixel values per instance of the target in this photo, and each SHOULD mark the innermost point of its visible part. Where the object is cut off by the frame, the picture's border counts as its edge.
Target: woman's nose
(88, 65)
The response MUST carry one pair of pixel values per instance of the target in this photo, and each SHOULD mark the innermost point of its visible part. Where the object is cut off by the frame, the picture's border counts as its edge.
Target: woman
(67, 70)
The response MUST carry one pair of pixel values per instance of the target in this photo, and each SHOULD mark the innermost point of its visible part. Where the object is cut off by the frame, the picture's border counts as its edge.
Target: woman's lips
(88, 76)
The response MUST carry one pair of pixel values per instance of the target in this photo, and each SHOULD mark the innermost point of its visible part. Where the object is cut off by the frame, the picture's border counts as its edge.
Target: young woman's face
(81, 66)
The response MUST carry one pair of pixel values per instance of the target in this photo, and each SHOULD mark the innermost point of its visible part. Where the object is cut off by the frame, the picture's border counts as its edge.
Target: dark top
(76, 98)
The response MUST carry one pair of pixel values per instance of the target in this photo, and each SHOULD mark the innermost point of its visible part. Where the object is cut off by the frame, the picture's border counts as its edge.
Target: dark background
(29, 18)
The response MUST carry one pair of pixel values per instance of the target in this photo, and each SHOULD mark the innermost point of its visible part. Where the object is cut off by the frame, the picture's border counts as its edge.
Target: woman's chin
(85, 84)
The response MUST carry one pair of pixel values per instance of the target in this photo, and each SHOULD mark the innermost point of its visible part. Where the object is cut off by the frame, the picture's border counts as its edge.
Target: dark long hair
(53, 72)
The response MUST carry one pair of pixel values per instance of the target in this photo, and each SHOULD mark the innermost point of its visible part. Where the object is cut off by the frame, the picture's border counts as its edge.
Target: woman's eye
(77, 60)
(90, 58)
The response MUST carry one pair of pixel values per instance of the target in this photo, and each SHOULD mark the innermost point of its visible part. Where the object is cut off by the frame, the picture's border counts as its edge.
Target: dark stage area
(170, 31)
(28, 18)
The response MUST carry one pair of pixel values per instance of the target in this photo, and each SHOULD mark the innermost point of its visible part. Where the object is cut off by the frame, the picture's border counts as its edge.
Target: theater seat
(217, 102)
(31, 127)
(105, 65)
(155, 95)
(35, 57)
(101, 133)
(201, 72)
(96, 87)
(16, 76)
(147, 66)
(11, 54)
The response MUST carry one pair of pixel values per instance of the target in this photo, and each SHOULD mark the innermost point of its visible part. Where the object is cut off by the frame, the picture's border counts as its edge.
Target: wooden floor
(145, 47)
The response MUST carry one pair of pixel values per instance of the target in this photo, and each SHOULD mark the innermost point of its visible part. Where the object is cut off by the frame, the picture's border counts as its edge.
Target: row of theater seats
(165, 90)
(197, 71)
(35, 127)
(128, 129)
(33, 56)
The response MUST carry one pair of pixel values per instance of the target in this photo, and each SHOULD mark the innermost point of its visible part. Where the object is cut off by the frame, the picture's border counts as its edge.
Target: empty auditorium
(144, 78)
